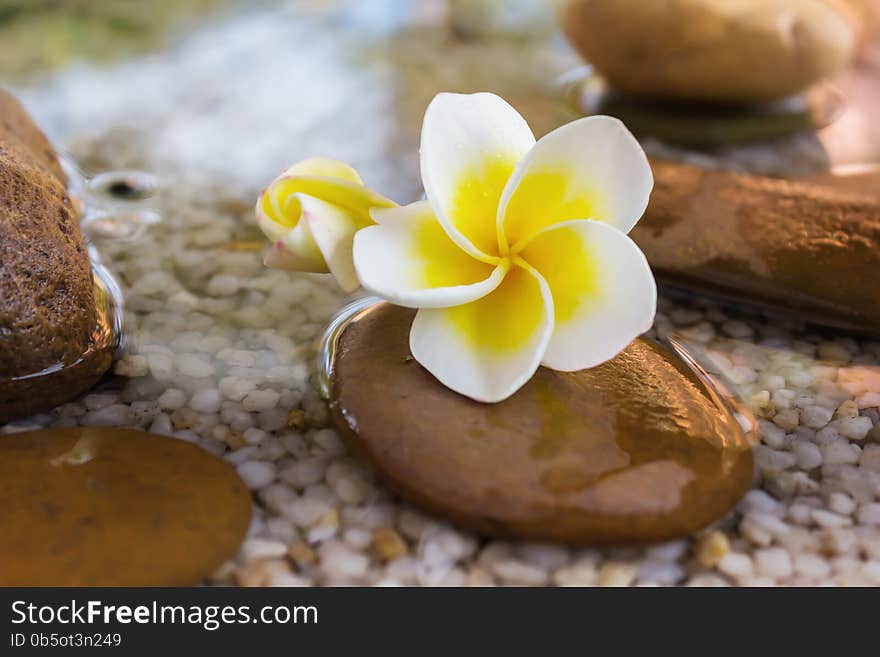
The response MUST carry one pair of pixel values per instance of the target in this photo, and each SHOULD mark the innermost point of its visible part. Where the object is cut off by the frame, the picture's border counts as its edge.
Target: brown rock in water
(48, 314)
(805, 247)
(19, 133)
(635, 450)
(713, 50)
(92, 506)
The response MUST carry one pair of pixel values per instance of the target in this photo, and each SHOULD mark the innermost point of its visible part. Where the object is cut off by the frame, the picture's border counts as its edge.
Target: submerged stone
(91, 506)
(635, 450)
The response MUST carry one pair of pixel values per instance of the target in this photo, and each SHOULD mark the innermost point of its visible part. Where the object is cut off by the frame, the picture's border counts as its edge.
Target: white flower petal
(489, 348)
(603, 290)
(592, 168)
(409, 259)
(326, 168)
(296, 250)
(470, 147)
(333, 232)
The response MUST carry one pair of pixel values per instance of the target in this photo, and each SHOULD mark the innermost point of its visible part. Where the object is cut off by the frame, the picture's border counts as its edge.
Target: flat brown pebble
(635, 450)
(90, 506)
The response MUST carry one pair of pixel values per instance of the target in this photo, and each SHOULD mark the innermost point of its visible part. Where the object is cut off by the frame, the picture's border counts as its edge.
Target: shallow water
(220, 350)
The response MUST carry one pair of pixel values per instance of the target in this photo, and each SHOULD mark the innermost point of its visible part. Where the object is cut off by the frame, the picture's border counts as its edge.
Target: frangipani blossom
(311, 213)
(519, 257)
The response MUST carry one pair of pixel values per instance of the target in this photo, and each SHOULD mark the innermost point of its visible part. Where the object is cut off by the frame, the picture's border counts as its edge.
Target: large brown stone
(713, 50)
(48, 316)
(115, 507)
(635, 450)
(809, 247)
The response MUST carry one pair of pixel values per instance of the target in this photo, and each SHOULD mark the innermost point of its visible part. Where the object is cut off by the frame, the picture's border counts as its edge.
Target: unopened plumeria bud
(311, 213)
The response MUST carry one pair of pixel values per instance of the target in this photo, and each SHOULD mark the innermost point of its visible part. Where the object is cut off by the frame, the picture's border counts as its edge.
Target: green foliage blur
(43, 35)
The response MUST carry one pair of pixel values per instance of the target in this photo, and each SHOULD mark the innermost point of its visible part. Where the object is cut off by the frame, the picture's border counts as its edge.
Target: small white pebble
(260, 400)
(110, 416)
(254, 436)
(256, 474)
(520, 573)
(841, 503)
(840, 452)
(223, 285)
(172, 399)
(660, 571)
(807, 454)
(772, 382)
(194, 366)
(234, 388)
(854, 428)
(816, 417)
(868, 400)
(338, 560)
(829, 519)
(306, 511)
(869, 514)
(207, 401)
(262, 548)
(578, 574)
(546, 555)
(706, 580)
(773, 562)
(304, 473)
(759, 500)
(736, 564)
(329, 442)
(811, 566)
(772, 435)
(772, 459)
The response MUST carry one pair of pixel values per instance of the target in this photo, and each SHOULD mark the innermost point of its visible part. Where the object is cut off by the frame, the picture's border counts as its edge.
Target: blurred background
(237, 90)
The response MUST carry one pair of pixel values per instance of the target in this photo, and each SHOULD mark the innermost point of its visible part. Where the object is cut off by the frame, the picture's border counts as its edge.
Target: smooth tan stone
(713, 50)
(115, 507)
(632, 451)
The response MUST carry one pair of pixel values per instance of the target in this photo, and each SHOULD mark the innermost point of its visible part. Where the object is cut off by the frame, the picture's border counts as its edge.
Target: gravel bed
(221, 353)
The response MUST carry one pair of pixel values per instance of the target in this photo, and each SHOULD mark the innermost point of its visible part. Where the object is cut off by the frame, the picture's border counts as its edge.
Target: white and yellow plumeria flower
(520, 256)
(311, 213)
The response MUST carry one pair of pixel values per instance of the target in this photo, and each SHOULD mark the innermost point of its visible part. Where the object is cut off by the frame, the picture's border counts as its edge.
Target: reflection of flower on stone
(311, 213)
(519, 256)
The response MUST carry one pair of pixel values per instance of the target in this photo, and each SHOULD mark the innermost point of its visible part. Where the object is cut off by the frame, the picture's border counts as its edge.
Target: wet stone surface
(635, 450)
(115, 507)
